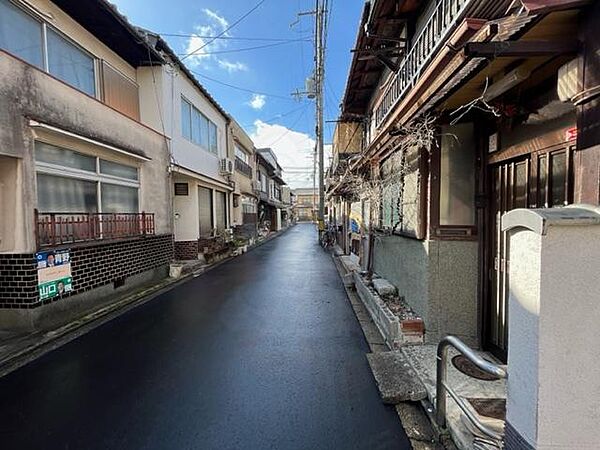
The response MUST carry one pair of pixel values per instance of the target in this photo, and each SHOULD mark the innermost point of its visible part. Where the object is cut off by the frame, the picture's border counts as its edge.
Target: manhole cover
(465, 366)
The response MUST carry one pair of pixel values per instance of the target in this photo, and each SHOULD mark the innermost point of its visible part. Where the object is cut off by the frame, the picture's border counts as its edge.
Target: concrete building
(269, 174)
(514, 108)
(83, 183)
(306, 204)
(175, 103)
(245, 194)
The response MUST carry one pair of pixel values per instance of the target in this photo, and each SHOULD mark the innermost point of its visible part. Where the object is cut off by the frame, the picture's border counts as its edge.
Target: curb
(58, 337)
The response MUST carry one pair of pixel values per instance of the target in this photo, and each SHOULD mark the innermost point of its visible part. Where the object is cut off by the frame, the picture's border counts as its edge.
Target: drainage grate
(465, 366)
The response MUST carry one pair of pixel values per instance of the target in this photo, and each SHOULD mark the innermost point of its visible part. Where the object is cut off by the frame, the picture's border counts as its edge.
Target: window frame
(209, 123)
(44, 47)
(438, 231)
(97, 176)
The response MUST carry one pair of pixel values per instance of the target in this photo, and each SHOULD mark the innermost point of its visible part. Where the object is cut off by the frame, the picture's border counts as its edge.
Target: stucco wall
(28, 93)
(438, 279)
(168, 85)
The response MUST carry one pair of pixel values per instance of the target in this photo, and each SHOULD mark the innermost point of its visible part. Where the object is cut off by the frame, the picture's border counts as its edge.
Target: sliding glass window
(41, 45)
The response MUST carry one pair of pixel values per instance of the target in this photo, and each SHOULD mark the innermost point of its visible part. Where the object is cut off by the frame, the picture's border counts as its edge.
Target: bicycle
(327, 238)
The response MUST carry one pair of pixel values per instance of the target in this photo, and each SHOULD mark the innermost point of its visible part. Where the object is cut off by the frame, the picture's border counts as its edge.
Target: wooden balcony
(444, 19)
(69, 228)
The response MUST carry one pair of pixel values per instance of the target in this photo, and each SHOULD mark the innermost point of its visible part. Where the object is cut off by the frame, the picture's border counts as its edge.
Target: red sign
(571, 134)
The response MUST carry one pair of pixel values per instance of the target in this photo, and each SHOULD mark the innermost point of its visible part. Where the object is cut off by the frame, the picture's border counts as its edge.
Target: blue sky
(275, 119)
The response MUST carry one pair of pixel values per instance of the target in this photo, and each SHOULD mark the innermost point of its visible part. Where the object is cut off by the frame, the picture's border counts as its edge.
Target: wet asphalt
(263, 352)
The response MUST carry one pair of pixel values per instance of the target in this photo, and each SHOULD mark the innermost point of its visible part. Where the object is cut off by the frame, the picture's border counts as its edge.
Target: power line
(245, 49)
(278, 116)
(239, 88)
(234, 38)
(210, 41)
(290, 128)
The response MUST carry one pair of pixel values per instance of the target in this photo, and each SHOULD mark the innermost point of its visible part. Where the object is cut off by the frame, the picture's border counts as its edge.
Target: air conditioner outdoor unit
(226, 167)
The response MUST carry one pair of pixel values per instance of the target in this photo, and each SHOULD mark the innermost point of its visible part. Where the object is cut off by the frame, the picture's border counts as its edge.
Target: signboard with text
(54, 273)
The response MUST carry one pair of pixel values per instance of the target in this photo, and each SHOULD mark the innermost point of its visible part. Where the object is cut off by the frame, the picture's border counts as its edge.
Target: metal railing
(443, 20)
(66, 228)
(442, 387)
(243, 167)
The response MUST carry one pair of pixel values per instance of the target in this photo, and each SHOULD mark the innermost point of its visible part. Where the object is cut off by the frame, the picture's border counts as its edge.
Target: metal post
(440, 389)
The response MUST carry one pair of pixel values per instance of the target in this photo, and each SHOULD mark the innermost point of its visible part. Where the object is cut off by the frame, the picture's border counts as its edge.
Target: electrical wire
(278, 116)
(239, 88)
(289, 129)
(229, 27)
(235, 38)
(245, 49)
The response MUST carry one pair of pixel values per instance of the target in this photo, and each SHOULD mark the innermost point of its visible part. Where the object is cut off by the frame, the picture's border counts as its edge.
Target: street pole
(319, 77)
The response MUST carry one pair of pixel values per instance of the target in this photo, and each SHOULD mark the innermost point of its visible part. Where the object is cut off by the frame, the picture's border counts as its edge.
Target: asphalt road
(263, 352)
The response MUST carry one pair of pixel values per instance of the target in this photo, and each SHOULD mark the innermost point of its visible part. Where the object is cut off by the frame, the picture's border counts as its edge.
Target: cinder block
(383, 287)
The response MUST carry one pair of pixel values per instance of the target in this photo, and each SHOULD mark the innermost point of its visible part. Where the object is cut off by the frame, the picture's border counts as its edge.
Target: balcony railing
(442, 21)
(243, 167)
(62, 228)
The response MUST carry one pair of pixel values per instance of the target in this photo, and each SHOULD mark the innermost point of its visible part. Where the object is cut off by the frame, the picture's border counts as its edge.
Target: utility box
(553, 328)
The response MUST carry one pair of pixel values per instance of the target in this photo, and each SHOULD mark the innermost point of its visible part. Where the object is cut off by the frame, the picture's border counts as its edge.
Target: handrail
(442, 387)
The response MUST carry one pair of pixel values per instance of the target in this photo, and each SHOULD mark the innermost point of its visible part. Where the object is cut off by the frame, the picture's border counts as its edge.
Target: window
(70, 64)
(221, 210)
(241, 154)
(263, 182)
(39, 44)
(558, 178)
(457, 175)
(119, 199)
(212, 138)
(20, 34)
(66, 195)
(186, 120)
(205, 211)
(71, 182)
(197, 128)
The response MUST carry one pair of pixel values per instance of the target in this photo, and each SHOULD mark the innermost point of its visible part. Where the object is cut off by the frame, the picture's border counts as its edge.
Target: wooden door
(543, 179)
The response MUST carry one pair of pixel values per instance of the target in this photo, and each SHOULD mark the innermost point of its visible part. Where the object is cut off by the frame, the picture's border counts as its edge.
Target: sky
(267, 76)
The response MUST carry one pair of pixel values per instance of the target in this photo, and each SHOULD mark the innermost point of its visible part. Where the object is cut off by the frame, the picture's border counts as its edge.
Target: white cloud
(202, 50)
(294, 151)
(257, 101)
(217, 18)
(232, 67)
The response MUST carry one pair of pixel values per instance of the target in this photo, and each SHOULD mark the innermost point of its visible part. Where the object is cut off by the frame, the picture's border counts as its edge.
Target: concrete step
(396, 380)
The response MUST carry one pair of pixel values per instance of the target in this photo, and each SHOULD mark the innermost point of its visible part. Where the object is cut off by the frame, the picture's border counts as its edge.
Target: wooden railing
(66, 228)
(243, 167)
(443, 20)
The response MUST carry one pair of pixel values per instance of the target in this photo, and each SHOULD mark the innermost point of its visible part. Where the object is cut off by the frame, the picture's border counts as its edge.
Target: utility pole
(314, 89)
(319, 78)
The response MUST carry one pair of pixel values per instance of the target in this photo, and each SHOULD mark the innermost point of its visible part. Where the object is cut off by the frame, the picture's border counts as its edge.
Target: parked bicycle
(327, 238)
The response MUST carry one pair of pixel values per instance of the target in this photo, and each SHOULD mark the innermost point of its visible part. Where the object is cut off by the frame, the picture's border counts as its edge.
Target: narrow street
(261, 352)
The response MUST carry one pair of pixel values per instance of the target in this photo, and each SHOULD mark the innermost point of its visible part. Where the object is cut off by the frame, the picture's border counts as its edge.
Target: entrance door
(543, 179)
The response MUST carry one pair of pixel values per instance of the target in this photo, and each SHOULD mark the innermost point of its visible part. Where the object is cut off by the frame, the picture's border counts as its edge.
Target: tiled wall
(92, 266)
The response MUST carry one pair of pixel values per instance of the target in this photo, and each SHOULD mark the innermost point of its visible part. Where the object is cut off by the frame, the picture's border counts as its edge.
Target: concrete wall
(438, 279)
(28, 93)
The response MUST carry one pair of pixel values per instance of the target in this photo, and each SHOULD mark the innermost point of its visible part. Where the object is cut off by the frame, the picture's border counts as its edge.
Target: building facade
(174, 102)
(83, 183)
(468, 109)
(306, 204)
(245, 200)
(270, 184)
